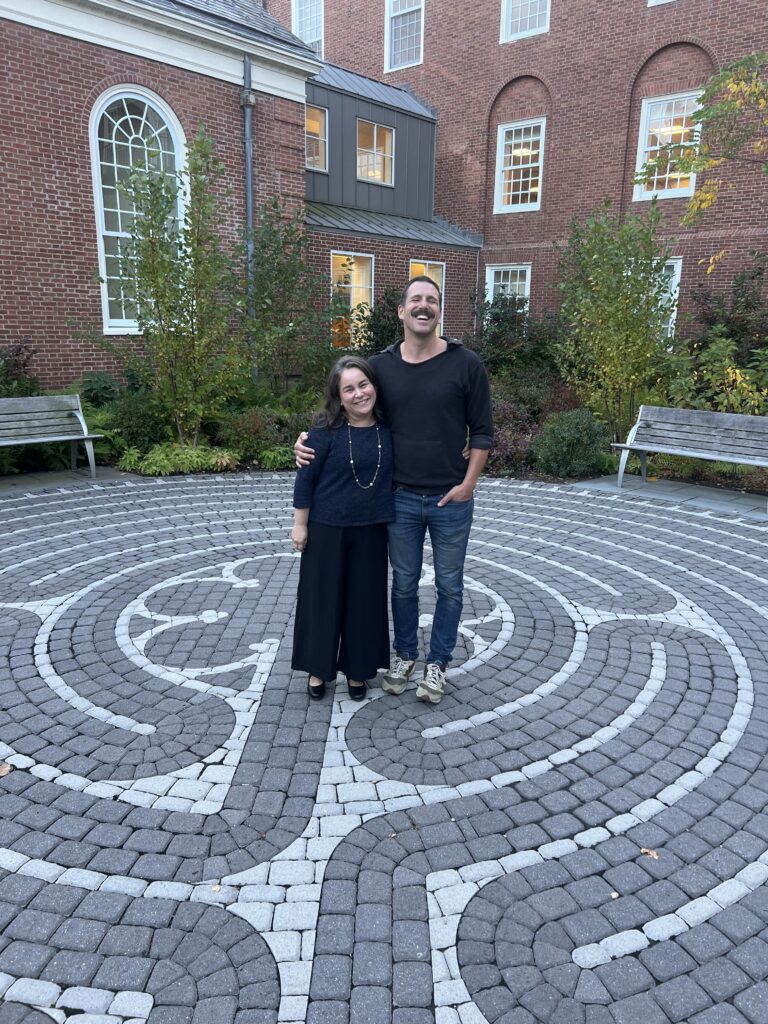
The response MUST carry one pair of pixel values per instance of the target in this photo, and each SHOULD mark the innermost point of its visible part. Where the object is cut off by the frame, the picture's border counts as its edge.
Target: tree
(616, 303)
(187, 292)
(733, 115)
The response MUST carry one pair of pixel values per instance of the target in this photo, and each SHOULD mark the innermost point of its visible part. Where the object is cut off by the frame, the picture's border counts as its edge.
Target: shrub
(99, 388)
(280, 457)
(571, 444)
(16, 379)
(170, 458)
(137, 421)
(514, 430)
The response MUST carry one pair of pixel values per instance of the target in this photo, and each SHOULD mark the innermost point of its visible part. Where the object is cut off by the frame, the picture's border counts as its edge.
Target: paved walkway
(578, 834)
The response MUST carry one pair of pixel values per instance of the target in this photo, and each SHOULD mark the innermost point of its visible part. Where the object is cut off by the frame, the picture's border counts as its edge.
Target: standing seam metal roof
(335, 77)
(345, 220)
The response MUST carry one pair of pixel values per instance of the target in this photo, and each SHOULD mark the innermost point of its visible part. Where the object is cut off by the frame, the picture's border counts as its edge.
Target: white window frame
(376, 125)
(498, 206)
(427, 264)
(295, 18)
(640, 192)
(505, 37)
(129, 91)
(354, 255)
(657, 3)
(676, 262)
(308, 166)
(491, 269)
(416, 5)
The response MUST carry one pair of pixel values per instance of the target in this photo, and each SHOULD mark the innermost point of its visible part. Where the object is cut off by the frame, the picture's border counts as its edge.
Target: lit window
(403, 34)
(672, 270)
(308, 23)
(523, 18)
(352, 287)
(131, 130)
(508, 281)
(519, 163)
(433, 270)
(316, 138)
(375, 153)
(667, 128)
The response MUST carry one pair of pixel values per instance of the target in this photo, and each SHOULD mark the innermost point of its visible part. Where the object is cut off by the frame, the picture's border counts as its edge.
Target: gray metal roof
(323, 217)
(334, 77)
(246, 18)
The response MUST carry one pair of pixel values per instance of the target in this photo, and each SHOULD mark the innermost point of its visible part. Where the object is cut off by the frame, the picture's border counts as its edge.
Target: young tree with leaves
(616, 302)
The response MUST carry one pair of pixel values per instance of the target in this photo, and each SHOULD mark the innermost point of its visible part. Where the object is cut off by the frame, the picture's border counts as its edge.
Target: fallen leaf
(5, 768)
(392, 835)
(614, 895)
(649, 853)
(217, 888)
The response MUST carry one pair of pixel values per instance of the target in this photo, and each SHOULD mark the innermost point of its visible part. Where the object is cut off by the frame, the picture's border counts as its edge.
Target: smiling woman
(342, 502)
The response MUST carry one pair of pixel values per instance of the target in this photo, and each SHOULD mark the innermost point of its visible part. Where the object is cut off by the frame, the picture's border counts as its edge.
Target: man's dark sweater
(430, 407)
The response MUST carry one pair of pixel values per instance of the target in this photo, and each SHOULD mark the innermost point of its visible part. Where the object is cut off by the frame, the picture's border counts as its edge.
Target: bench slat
(42, 403)
(735, 449)
(689, 454)
(713, 420)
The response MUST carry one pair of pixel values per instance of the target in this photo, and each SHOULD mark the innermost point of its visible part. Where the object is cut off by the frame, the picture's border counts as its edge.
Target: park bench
(43, 419)
(695, 434)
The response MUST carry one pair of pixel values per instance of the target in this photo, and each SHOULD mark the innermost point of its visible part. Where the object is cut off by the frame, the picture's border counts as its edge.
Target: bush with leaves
(742, 313)
(706, 375)
(98, 388)
(138, 420)
(188, 292)
(616, 303)
(16, 377)
(571, 444)
(170, 458)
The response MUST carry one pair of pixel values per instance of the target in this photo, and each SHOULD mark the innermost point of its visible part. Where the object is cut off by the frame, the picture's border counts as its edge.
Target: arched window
(131, 129)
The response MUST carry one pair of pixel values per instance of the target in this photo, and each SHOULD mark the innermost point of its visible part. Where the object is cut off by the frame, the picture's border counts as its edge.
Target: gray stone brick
(412, 984)
(681, 999)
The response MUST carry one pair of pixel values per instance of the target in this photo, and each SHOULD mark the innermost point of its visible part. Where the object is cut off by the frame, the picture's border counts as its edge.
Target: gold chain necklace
(365, 487)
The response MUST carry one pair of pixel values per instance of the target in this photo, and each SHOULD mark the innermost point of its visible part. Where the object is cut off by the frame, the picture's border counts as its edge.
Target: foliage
(742, 315)
(706, 375)
(16, 378)
(170, 458)
(99, 388)
(291, 317)
(254, 431)
(188, 294)
(615, 304)
(280, 457)
(375, 329)
(571, 444)
(733, 114)
(137, 420)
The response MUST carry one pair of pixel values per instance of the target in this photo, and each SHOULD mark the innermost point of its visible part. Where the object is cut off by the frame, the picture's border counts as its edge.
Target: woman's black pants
(342, 621)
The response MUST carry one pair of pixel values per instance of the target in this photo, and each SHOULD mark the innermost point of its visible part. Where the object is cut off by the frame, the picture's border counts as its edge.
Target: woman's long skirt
(342, 620)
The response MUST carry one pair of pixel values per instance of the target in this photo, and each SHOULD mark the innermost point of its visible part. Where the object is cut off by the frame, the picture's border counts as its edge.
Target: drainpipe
(247, 102)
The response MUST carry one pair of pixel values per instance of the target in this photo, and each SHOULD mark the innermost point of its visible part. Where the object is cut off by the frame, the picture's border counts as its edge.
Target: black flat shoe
(316, 692)
(356, 692)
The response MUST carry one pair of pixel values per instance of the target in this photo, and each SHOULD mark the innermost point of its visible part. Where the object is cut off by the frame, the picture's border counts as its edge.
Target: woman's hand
(299, 538)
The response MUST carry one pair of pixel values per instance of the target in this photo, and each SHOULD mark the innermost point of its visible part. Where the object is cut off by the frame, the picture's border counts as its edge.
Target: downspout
(247, 102)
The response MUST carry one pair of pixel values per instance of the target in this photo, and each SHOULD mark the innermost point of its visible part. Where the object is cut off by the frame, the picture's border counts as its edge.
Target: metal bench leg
(644, 466)
(622, 466)
(91, 458)
(73, 455)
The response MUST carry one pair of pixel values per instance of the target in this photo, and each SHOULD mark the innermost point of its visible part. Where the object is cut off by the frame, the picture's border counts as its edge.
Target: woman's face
(358, 396)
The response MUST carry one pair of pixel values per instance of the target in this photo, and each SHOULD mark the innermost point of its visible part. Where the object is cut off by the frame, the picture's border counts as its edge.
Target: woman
(342, 502)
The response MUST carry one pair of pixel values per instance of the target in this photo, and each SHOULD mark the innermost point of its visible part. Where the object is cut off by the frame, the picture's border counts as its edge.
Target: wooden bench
(695, 434)
(42, 419)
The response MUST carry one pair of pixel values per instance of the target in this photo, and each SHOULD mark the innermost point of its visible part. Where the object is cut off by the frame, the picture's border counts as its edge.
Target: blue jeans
(449, 533)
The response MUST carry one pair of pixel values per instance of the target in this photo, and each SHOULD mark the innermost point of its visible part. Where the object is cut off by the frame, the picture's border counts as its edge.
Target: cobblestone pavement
(576, 835)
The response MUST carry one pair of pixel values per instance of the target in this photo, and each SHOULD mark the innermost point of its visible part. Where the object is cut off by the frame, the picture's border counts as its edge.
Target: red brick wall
(588, 75)
(48, 253)
(391, 269)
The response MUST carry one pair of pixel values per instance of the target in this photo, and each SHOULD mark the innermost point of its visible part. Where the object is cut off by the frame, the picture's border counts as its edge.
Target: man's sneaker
(396, 679)
(432, 686)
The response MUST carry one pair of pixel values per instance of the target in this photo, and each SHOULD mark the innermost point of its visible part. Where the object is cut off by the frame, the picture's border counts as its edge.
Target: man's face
(420, 312)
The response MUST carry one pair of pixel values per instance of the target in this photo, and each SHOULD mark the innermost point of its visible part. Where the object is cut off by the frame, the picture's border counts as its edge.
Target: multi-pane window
(404, 33)
(519, 163)
(508, 281)
(316, 138)
(132, 133)
(433, 270)
(523, 18)
(307, 23)
(667, 129)
(352, 285)
(672, 270)
(375, 153)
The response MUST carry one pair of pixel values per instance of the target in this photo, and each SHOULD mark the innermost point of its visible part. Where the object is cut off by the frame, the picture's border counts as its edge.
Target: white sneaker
(396, 679)
(432, 686)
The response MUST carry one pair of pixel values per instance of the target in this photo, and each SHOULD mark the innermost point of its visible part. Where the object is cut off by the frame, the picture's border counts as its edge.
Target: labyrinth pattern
(576, 835)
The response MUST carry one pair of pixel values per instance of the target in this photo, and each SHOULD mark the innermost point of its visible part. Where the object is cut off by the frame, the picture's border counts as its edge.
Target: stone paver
(577, 833)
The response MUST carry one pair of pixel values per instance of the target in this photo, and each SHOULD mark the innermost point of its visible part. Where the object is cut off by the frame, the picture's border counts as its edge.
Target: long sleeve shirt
(327, 486)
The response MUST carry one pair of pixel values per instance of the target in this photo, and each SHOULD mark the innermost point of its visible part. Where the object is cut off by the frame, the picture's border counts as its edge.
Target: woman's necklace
(352, 461)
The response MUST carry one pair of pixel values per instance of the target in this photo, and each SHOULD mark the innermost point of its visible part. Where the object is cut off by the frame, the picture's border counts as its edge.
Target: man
(435, 394)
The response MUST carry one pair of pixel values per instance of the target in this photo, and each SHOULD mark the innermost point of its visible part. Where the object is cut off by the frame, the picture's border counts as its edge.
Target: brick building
(546, 107)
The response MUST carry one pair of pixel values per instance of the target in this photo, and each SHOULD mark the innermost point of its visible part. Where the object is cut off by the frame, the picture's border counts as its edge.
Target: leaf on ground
(649, 853)
(217, 887)
(5, 768)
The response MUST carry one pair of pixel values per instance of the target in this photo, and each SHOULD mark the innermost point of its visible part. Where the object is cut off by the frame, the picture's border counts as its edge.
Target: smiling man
(436, 398)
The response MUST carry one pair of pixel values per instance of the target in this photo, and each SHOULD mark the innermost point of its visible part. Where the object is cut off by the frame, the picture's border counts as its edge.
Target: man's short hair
(425, 278)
